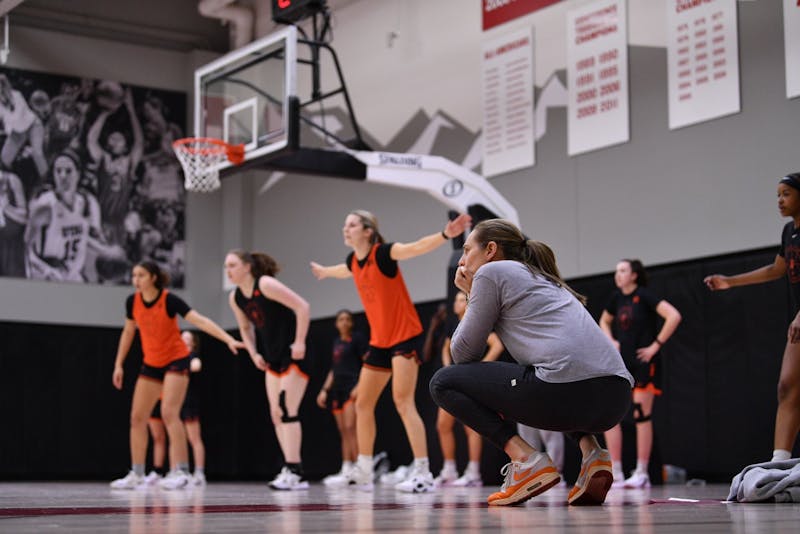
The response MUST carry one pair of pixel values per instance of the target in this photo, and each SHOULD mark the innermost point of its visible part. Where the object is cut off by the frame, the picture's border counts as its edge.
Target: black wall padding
(62, 418)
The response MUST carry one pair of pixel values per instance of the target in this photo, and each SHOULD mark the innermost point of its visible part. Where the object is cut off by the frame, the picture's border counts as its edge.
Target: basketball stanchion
(200, 158)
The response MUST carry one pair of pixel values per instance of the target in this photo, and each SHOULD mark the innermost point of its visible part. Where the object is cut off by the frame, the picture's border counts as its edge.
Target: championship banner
(496, 12)
(508, 126)
(791, 33)
(702, 60)
(597, 76)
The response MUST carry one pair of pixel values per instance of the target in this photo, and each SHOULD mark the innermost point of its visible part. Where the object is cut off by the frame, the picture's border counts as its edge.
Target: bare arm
(447, 358)
(767, 273)
(137, 149)
(247, 332)
(93, 136)
(495, 348)
(124, 345)
(672, 319)
(454, 228)
(321, 272)
(277, 291)
(213, 329)
(322, 397)
(606, 320)
(18, 212)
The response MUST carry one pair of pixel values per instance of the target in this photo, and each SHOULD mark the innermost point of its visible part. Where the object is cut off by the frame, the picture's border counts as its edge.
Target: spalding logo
(453, 188)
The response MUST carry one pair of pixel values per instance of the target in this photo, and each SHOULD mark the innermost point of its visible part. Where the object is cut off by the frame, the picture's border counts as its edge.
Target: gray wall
(665, 196)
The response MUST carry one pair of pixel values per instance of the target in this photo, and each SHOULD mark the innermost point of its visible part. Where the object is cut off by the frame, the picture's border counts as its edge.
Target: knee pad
(285, 417)
(638, 414)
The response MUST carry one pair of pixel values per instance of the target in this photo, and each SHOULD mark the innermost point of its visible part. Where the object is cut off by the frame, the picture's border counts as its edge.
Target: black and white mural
(89, 184)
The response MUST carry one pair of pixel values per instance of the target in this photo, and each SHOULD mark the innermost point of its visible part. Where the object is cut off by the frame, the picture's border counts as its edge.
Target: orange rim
(209, 146)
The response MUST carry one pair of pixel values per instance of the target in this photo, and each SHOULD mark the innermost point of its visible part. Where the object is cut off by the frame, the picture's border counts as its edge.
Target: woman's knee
(788, 390)
(438, 384)
(404, 404)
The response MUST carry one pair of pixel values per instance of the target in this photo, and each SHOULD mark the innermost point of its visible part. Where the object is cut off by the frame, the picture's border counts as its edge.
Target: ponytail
(161, 277)
(537, 256)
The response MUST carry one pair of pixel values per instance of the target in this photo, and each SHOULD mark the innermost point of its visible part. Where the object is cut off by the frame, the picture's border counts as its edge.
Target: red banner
(496, 12)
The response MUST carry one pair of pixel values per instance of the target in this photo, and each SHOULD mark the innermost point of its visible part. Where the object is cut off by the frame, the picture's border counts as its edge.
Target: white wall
(665, 196)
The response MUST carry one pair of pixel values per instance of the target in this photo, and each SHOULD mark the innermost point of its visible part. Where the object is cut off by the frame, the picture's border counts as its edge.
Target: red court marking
(217, 509)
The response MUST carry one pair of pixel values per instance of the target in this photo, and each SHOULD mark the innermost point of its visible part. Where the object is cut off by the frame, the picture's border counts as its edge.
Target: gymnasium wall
(63, 419)
(672, 198)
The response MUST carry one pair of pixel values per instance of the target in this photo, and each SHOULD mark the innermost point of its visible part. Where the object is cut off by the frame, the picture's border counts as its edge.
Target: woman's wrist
(444, 235)
(658, 342)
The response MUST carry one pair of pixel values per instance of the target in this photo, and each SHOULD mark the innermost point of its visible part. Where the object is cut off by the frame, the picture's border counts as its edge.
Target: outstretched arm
(137, 149)
(767, 273)
(93, 136)
(454, 228)
(321, 272)
(213, 329)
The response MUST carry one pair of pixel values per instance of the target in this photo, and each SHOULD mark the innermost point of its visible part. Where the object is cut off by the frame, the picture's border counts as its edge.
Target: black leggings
(490, 397)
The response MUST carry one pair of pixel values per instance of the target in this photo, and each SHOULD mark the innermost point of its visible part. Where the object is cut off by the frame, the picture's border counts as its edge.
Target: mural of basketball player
(116, 162)
(13, 218)
(22, 127)
(64, 224)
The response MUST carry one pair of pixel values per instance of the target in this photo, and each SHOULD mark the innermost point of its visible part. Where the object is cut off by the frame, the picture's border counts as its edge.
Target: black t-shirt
(635, 320)
(175, 305)
(275, 324)
(790, 252)
(383, 256)
(346, 357)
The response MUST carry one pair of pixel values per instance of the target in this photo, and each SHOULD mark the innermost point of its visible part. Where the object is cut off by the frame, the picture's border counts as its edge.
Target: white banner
(702, 60)
(508, 126)
(597, 76)
(791, 36)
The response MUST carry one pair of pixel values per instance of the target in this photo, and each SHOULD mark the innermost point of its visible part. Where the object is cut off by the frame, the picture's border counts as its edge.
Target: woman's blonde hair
(368, 220)
(537, 256)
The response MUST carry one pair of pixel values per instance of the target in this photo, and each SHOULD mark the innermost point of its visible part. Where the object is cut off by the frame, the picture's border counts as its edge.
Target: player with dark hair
(338, 391)
(273, 321)
(153, 311)
(567, 375)
(64, 222)
(629, 320)
(787, 262)
(395, 337)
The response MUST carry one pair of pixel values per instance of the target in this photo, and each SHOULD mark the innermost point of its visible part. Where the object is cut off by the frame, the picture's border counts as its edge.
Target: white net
(200, 159)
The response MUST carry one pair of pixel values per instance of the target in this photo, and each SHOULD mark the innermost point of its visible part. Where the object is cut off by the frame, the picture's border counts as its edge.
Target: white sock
(641, 466)
(421, 464)
(347, 465)
(364, 463)
(473, 468)
(449, 465)
(781, 454)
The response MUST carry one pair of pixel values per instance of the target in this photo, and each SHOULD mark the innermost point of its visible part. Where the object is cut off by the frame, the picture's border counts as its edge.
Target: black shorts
(381, 359)
(283, 366)
(646, 376)
(180, 366)
(339, 394)
(190, 411)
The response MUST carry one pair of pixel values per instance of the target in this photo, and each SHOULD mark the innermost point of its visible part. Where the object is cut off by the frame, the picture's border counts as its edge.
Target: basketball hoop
(200, 158)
